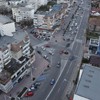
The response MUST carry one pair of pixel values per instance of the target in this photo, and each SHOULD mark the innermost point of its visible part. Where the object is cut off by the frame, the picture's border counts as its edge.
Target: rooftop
(5, 40)
(95, 60)
(94, 21)
(94, 42)
(4, 77)
(89, 84)
(14, 65)
(55, 9)
(17, 37)
(22, 8)
(5, 19)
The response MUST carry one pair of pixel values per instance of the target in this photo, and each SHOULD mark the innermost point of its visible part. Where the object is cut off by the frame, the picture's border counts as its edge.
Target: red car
(61, 52)
(30, 93)
(47, 46)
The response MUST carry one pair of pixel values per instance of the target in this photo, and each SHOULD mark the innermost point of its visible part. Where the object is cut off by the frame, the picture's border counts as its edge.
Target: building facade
(16, 57)
(7, 26)
(22, 13)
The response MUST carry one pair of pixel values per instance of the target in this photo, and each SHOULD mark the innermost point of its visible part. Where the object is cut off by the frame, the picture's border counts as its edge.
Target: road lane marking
(56, 81)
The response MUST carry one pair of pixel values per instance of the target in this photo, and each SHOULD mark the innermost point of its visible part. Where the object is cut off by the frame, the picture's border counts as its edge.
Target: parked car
(58, 64)
(52, 82)
(29, 93)
(47, 46)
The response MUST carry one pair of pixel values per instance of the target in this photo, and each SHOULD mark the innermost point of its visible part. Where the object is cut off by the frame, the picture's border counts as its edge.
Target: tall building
(88, 85)
(7, 26)
(16, 56)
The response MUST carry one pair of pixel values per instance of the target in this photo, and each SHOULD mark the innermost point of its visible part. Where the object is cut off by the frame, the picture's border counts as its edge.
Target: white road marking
(56, 81)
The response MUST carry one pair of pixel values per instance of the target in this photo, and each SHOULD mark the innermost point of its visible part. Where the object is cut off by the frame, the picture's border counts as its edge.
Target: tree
(26, 22)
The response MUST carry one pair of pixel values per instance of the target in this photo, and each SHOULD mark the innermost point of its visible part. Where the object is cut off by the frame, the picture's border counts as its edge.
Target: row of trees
(5, 10)
(27, 22)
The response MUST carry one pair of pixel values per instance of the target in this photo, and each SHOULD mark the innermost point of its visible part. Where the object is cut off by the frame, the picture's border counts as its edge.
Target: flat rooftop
(13, 65)
(94, 42)
(16, 38)
(4, 77)
(5, 40)
(89, 83)
(5, 19)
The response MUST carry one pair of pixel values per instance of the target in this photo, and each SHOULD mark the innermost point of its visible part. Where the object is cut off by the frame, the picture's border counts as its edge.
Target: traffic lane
(46, 87)
(44, 90)
(58, 90)
(82, 28)
(65, 89)
(53, 93)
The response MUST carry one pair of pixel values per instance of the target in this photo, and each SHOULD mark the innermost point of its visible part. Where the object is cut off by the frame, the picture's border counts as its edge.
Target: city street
(71, 34)
(58, 58)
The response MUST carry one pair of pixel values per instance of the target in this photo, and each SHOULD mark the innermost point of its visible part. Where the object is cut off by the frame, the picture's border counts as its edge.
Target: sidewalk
(38, 68)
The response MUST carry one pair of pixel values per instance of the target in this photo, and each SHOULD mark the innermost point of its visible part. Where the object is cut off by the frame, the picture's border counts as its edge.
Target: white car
(43, 48)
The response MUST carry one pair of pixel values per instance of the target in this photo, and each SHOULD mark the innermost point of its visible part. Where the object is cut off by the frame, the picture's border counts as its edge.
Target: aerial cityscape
(49, 49)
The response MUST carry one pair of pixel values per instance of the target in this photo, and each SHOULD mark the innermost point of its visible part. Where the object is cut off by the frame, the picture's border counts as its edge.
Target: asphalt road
(64, 75)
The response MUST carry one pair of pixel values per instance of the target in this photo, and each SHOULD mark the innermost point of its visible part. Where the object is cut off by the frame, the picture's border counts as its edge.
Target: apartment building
(88, 84)
(93, 46)
(62, 1)
(16, 2)
(22, 13)
(7, 26)
(47, 22)
(16, 56)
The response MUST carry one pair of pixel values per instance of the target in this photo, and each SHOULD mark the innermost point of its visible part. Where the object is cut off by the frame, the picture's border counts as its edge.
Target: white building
(88, 87)
(62, 1)
(7, 26)
(16, 56)
(21, 13)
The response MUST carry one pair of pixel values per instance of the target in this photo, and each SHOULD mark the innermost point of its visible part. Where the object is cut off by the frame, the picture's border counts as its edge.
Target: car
(43, 48)
(58, 64)
(32, 87)
(47, 46)
(52, 82)
(29, 93)
(37, 84)
(39, 52)
(75, 24)
(45, 56)
(61, 52)
(70, 29)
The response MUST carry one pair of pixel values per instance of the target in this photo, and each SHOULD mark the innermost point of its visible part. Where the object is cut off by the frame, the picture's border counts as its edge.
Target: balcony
(26, 46)
(5, 55)
(26, 53)
(27, 49)
(7, 58)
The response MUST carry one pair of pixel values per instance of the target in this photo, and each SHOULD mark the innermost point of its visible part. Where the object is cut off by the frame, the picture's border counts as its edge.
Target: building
(95, 60)
(16, 57)
(88, 86)
(7, 26)
(62, 1)
(16, 2)
(36, 3)
(22, 13)
(93, 45)
(48, 21)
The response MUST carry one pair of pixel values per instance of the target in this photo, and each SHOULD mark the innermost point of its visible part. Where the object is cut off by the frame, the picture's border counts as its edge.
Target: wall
(9, 28)
(77, 97)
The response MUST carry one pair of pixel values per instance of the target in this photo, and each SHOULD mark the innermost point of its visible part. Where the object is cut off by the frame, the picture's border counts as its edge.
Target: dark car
(52, 82)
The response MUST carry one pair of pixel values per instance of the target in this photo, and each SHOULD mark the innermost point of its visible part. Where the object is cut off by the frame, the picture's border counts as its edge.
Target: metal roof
(89, 84)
